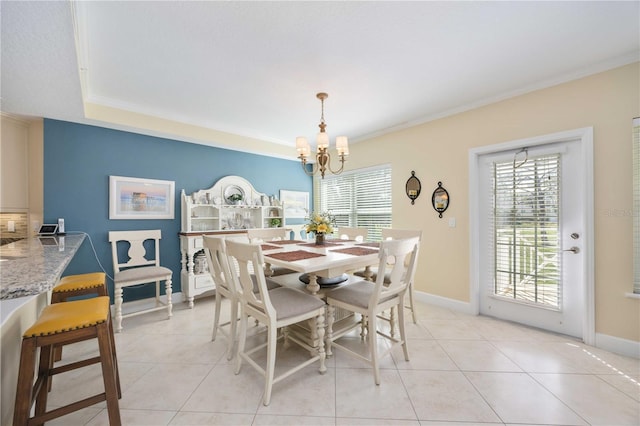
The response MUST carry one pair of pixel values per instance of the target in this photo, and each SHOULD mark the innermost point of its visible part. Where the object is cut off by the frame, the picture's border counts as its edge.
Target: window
(526, 243)
(636, 205)
(360, 198)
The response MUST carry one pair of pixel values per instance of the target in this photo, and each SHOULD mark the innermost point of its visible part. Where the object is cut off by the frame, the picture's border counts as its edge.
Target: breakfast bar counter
(33, 265)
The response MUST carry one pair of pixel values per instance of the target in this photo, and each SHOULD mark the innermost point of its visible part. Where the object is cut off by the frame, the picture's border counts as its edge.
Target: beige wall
(14, 156)
(22, 168)
(36, 174)
(438, 151)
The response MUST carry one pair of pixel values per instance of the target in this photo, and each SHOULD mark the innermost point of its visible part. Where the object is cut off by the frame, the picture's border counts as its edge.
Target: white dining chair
(264, 235)
(138, 267)
(216, 252)
(277, 308)
(391, 233)
(357, 234)
(369, 299)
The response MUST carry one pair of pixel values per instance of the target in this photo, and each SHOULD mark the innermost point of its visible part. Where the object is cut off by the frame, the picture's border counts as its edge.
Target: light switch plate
(452, 222)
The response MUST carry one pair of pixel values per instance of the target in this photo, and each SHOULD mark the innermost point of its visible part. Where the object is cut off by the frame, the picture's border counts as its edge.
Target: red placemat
(356, 251)
(292, 256)
(326, 243)
(269, 247)
(285, 242)
(374, 244)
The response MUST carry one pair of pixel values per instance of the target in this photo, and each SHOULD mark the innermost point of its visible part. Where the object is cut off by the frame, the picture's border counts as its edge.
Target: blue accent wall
(78, 160)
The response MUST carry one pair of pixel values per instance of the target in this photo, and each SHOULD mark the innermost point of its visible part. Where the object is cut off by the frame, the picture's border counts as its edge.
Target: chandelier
(323, 158)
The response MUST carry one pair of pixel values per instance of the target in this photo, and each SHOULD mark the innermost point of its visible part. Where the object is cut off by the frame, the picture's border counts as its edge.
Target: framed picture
(296, 203)
(135, 198)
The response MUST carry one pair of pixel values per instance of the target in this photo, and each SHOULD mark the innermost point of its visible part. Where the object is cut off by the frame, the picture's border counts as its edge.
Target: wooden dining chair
(264, 235)
(277, 308)
(387, 234)
(369, 299)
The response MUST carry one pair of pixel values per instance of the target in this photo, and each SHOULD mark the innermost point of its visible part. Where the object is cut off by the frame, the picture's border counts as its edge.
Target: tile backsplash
(19, 222)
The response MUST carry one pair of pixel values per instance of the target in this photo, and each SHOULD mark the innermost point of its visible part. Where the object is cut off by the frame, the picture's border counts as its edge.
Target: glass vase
(319, 239)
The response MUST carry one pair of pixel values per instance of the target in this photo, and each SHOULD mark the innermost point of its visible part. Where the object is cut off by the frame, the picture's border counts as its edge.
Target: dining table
(331, 259)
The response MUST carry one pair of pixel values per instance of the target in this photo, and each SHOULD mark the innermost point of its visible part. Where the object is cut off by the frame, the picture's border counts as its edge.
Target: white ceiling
(253, 68)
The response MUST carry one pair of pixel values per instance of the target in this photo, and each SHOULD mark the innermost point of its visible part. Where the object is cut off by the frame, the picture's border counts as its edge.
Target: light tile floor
(464, 370)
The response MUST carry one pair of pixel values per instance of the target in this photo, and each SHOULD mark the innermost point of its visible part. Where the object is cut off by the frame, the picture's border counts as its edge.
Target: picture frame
(296, 203)
(138, 198)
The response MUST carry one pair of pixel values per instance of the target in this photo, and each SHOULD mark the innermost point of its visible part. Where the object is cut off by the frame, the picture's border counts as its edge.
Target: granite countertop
(33, 265)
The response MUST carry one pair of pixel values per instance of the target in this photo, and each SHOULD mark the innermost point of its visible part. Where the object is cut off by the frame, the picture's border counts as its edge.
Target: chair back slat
(136, 252)
(216, 252)
(401, 274)
(357, 234)
(268, 234)
(397, 234)
(249, 260)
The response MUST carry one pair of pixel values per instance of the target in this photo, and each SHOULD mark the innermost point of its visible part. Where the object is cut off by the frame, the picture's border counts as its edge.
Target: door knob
(573, 249)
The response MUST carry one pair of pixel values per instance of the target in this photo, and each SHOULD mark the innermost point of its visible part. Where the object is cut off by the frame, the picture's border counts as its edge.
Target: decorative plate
(231, 190)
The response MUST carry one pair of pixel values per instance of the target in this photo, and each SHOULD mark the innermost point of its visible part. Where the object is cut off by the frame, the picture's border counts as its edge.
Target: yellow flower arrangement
(320, 223)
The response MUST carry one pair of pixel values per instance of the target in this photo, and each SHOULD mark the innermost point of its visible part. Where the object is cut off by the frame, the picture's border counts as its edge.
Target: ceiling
(253, 68)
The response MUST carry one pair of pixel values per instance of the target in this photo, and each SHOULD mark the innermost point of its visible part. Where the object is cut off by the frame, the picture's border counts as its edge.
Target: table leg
(367, 273)
(267, 269)
(329, 337)
(321, 350)
(313, 285)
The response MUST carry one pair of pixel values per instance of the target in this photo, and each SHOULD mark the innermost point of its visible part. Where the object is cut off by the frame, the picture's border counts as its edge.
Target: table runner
(292, 256)
(269, 247)
(356, 251)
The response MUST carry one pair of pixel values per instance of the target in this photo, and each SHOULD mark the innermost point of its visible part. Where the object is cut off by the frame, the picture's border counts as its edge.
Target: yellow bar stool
(78, 285)
(62, 324)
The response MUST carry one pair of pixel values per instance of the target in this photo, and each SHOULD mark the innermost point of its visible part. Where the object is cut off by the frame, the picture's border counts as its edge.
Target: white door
(531, 235)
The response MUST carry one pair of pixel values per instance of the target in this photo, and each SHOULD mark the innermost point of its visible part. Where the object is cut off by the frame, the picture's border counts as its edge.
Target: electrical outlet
(11, 226)
(452, 222)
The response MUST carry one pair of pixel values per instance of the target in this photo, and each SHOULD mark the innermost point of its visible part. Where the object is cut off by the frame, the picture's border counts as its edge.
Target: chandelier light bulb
(342, 145)
(302, 146)
(323, 140)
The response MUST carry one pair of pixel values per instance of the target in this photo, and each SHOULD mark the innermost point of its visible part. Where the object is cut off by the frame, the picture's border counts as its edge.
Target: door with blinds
(531, 229)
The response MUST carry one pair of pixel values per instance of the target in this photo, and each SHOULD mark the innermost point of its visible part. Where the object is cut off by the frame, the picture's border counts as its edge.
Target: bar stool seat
(61, 324)
(79, 285)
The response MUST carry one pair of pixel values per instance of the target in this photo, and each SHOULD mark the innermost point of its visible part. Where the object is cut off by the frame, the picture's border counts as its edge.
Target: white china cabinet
(230, 207)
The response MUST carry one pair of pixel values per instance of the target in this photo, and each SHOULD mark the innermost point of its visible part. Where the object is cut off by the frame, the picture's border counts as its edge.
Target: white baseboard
(444, 302)
(617, 345)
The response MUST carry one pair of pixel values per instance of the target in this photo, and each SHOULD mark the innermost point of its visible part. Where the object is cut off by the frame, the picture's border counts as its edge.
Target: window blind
(636, 205)
(525, 238)
(360, 198)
